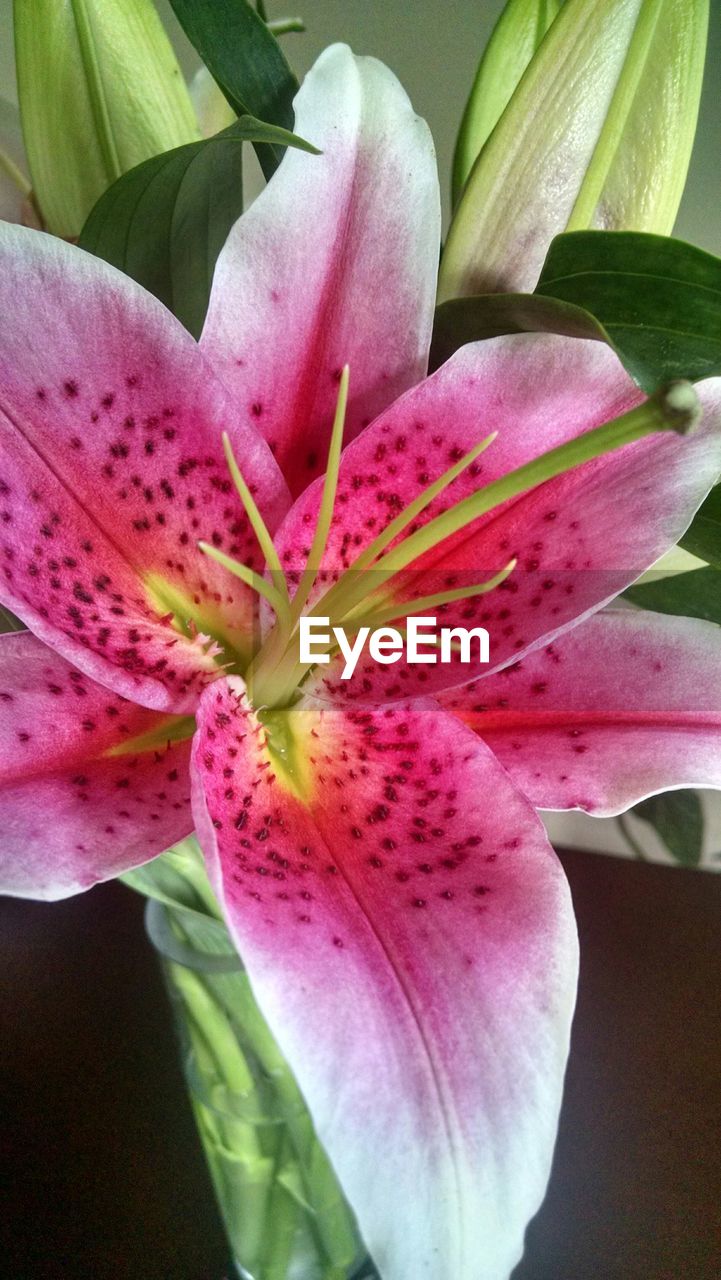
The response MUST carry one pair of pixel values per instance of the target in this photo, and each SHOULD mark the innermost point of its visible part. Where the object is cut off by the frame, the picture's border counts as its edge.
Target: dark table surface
(107, 1182)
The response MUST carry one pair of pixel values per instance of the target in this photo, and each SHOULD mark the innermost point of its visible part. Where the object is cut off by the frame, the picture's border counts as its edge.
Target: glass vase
(284, 1213)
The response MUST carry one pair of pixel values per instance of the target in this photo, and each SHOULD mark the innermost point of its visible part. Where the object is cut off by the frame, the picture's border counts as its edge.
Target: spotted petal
(334, 263)
(578, 540)
(414, 951)
(112, 469)
(90, 785)
(623, 706)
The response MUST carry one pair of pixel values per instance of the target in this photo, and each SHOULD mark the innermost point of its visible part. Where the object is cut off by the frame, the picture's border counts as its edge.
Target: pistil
(358, 597)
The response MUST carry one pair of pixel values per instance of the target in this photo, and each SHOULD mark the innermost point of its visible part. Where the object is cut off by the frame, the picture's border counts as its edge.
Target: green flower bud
(597, 134)
(516, 36)
(100, 91)
(212, 109)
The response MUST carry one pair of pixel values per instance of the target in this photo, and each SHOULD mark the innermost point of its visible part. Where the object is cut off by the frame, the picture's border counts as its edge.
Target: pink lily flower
(373, 842)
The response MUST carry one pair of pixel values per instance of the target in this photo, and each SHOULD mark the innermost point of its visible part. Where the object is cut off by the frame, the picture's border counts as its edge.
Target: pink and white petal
(626, 705)
(90, 785)
(574, 539)
(112, 469)
(335, 263)
(414, 950)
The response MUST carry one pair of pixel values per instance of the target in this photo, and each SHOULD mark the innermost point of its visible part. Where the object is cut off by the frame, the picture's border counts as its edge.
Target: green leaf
(655, 300)
(245, 59)
(690, 595)
(165, 222)
(703, 539)
(515, 38)
(677, 819)
(659, 299)
(489, 315)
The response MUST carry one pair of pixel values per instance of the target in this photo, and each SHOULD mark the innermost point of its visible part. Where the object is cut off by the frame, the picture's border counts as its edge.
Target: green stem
(330, 1223)
(213, 1025)
(277, 1191)
(184, 858)
(284, 1214)
(282, 26)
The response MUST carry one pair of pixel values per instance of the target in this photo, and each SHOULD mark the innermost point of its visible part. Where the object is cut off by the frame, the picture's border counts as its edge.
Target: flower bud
(597, 134)
(212, 109)
(100, 91)
(515, 38)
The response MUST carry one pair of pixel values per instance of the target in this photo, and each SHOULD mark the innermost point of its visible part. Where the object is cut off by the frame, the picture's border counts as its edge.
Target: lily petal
(414, 951)
(90, 785)
(335, 263)
(112, 470)
(625, 705)
(572, 538)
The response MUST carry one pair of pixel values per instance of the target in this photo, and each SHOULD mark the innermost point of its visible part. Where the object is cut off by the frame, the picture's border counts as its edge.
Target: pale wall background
(434, 46)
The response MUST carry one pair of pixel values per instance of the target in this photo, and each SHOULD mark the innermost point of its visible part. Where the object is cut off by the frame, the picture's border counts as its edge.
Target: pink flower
(405, 924)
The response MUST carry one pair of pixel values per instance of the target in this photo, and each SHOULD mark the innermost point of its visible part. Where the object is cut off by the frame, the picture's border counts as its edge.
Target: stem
(213, 1025)
(284, 1214)
(187, 861)
(277, 1191)
(282, 26)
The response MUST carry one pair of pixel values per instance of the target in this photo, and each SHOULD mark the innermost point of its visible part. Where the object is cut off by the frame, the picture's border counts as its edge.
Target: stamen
(289, 673)
(327, 503)
(675, 407)
(398, 608)
(259, 526)
(400, 522)
(251, 579)
(279, 636)
(202, 624)
(278, 672)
